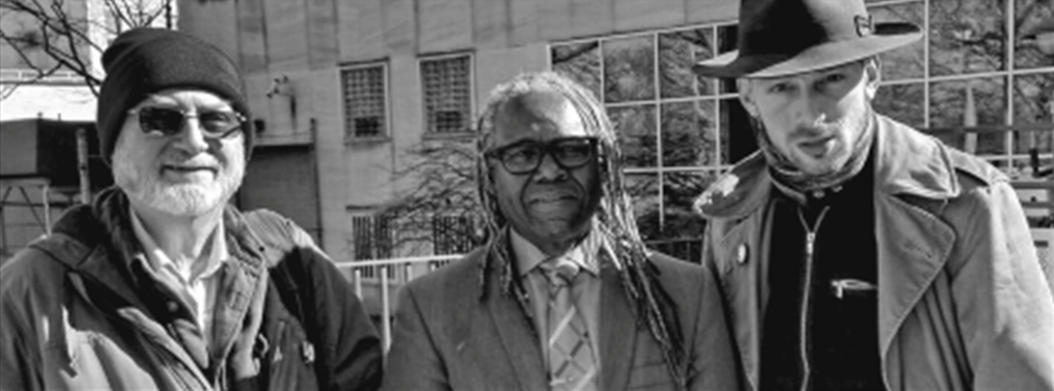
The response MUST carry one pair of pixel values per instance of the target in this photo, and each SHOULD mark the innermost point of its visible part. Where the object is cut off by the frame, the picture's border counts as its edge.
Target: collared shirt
(585, 293)
(198, 291)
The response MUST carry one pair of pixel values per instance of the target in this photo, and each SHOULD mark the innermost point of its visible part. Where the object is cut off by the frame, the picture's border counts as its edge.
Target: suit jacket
(962, 301)
(457, 329)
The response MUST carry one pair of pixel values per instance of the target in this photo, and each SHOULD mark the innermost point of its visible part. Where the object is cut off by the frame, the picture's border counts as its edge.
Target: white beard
(178, 199)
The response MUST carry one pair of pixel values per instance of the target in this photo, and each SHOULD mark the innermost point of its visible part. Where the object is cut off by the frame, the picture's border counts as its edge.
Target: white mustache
(202, 161)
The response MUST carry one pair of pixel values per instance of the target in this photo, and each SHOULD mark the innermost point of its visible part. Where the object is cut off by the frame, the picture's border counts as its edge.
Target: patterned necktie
(571, 361)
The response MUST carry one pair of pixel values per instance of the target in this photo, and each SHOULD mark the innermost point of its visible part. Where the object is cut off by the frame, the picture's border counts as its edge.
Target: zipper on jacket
(810, 247)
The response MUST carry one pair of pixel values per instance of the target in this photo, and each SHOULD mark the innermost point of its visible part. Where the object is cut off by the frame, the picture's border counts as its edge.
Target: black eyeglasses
(169, 121)
(525, 156)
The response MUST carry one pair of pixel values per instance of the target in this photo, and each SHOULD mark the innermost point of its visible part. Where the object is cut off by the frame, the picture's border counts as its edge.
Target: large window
(679, 131)
(365, 101)
(447, 84)
(975, 69)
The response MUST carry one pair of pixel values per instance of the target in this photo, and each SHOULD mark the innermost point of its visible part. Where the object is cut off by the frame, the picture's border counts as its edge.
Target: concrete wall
(308, 41)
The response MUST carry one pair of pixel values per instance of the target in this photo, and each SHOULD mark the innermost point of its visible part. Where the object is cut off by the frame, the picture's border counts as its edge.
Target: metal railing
(60, 77)
(375, 281)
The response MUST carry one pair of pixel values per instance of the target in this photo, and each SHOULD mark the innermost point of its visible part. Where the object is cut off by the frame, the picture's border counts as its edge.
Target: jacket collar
(110, 247)
(907, 162)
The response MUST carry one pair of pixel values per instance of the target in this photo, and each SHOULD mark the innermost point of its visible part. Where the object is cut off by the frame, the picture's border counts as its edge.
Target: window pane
(364, 102)
(949, 103)
(726, 42)
(679, 190)
(447, 94)
(643, 190)
(737, 135)
(689, 134)
(966, 36)
(678, 52)
(637, 134)
(902, 102)
(908, 61)
(580, 62)
(1030, 14)
(1034, 104)
(629, 69)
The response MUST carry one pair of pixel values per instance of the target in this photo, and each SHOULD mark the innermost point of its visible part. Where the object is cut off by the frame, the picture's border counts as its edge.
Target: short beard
(184, 199)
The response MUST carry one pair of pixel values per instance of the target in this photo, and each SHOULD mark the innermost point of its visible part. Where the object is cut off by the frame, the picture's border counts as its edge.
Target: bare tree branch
(440, 212)
(67, 37)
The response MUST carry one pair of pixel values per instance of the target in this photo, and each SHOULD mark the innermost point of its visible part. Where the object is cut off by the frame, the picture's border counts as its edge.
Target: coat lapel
(913, 243)
(522, 349)
(909, 259)
(740, 252)
(618, 333)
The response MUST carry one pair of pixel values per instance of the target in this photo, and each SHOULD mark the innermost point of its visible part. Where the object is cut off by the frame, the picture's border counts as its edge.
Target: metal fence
(376, 281)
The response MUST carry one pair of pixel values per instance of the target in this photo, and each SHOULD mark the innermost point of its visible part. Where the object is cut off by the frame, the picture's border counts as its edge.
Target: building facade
(347, 91)
(47, 109)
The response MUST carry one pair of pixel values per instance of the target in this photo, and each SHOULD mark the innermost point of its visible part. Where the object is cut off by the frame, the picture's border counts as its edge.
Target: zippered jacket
(78, 312)
(963, 302)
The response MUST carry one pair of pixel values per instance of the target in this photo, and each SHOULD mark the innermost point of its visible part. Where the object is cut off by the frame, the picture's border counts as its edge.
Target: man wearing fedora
(854, 252)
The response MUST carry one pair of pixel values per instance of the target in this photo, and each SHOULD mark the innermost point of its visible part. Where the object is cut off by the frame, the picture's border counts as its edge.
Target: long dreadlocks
(613, 220)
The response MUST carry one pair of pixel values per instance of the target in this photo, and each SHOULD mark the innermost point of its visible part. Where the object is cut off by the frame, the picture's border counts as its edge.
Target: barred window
(453, 235)
(371, 239)
(365, 101)
(447, 94)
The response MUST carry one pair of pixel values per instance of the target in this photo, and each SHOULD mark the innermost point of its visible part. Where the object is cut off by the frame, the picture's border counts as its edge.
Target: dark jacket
(962, 300)
(457, 329)
(77, 313)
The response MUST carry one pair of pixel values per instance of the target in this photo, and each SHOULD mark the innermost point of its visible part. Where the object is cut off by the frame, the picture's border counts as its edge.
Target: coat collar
(907, 162)
(104, 235)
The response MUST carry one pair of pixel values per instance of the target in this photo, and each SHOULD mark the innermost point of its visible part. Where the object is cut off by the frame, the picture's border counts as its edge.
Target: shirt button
(172, 306)
(741, 254)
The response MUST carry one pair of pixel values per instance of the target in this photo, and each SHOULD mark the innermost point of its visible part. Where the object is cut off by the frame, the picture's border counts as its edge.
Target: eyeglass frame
(186, 115)
(546, 148)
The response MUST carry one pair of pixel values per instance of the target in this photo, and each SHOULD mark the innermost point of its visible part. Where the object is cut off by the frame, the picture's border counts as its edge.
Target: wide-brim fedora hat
(782, 37)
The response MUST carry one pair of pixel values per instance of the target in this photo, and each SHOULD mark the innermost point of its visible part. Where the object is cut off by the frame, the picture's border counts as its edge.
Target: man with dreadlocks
(563, 296)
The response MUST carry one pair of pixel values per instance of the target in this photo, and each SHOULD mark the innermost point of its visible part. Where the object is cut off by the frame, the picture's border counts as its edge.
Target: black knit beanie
(147, 60)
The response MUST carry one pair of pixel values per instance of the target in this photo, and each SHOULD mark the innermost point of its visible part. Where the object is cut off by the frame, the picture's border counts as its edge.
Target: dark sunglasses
(169, 121)
(525, 156)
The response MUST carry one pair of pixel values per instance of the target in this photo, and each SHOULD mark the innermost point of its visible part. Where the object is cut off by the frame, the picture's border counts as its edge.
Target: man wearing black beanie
(160, 283)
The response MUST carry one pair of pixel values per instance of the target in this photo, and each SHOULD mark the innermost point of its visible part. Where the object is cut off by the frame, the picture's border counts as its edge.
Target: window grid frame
(1008, 76)
(372, 222)
(470, 77)
(660, 170)
(350, 133)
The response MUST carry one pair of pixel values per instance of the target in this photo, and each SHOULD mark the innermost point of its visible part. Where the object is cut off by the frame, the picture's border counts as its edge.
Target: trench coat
(962, 301)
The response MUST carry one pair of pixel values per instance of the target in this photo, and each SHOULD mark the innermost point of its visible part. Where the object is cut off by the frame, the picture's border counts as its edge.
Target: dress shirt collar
(158, 260)
(528, 256)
